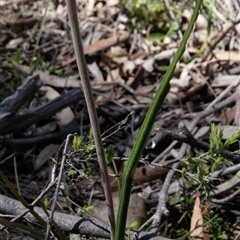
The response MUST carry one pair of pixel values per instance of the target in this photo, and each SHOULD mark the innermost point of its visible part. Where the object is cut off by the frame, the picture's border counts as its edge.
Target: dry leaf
(128, 68)
(115, 75)
(106, 43)
(60, 82)
(95, 70)
(45, 154)
(226, 55)
(224, 80)
(196, 229)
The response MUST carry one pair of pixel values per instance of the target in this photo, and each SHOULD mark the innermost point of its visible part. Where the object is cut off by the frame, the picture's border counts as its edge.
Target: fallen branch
(11, 104)
(68, 223)
(39, 113)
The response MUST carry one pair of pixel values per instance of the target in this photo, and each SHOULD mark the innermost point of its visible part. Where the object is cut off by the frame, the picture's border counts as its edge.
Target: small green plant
(86, 208)
(72, 173)
(77, 143)
(18, 57)
(86, 151)
(40, 64)
(149, 13)
(207, 163)
(109, 153)
(119, 232)
(14, 78)
(87, 148)
(196, 172)
(131, 227)
(174, 200)
(46, 202)
(216, 145)
(215, 227)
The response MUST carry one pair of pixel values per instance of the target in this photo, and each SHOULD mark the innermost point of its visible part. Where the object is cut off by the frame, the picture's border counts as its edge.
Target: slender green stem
(35, 65)
(146, 128)
(83, 72)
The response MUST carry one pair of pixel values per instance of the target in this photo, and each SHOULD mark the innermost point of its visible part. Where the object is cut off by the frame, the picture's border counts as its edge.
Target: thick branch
(68, 223)
(41, 112)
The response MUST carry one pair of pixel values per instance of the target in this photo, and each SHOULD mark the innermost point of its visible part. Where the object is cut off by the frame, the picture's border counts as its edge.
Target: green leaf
(156, 37)
(91, 136)
(45, 202)
(18, 57)
(109, 153)
(77, 143)
(90, 149)
(216, 145)
(234, 138)
(133, 225)
(72, 172)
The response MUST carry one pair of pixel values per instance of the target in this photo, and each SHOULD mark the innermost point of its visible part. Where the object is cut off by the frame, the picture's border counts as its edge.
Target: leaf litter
(125, 68)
